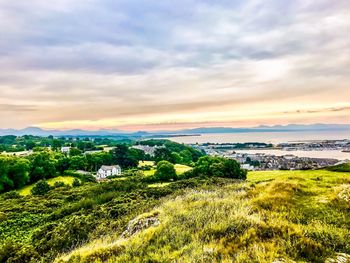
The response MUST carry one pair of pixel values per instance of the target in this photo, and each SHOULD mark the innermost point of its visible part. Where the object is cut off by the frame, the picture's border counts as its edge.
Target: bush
(15, 252)
(345, 167)
(76, 182)
(165, 171)
(11, 195)
(217, 167)
(81, 177)
(59, 184)
(60, 237)
(41, 188)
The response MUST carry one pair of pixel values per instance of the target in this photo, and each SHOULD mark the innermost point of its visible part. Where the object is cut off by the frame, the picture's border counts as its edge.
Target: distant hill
(263, 128)
(275, 128)
(76, 132)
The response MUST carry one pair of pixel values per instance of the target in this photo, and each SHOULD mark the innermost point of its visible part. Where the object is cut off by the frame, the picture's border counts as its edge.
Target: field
(180, 168)
(284, 216)
(65, 179)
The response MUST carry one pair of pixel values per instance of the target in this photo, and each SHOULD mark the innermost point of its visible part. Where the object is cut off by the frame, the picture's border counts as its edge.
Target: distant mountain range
(118, 133)
(275, 128)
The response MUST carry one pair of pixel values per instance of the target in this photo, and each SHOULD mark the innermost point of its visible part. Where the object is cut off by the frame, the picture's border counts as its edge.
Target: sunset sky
(151, 64)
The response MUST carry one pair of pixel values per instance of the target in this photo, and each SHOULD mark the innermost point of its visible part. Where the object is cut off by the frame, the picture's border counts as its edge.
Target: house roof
(109, 167)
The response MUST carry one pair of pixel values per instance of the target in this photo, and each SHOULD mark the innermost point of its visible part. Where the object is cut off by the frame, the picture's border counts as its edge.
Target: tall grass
(290, 216)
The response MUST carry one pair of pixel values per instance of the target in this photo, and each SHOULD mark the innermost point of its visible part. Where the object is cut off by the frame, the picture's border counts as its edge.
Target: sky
(164, 65)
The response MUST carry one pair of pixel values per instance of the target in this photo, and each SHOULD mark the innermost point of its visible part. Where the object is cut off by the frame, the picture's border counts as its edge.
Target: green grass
(180, 169)
(65, 179)
(144, 163)
(159, 184)
(301, 216)
(345, 167)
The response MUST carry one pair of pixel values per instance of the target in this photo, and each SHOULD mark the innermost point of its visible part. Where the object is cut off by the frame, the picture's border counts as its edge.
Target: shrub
(41, 188)
(15, 252)
(76, 182)
(165, 171)
(59, 184)
(217, 167)
(11, 195)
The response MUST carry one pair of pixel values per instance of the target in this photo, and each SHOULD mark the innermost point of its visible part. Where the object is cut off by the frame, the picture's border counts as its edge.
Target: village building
(65, 149)
(106, 171)
(150, 150)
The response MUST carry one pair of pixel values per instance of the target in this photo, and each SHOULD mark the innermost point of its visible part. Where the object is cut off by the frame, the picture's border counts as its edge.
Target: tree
(163, 154)
(43, 166)
(124, 156)
(176, 157)
(13, 172)
(62, 164)
(19, 172)
(56, 144)
(74, 152)
(233, 169)
(186, 156)
(218, 167)
(165, 171)
(30, 145)
(40, 188)
(95, 160)
(78, 163)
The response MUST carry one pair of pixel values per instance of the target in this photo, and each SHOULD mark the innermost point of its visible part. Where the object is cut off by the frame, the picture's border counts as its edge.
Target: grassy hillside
(345, 167)
(38, 228)
(65, 179)
(299, 216)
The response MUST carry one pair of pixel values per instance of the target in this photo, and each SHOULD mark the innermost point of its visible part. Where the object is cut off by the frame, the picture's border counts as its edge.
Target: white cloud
(116, 61)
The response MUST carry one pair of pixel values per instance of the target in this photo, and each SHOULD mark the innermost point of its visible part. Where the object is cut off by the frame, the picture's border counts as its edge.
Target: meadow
(274, 216)
(180, 168)
(68, 180)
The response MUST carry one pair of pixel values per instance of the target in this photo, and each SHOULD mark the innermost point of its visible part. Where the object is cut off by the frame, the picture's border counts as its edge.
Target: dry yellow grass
(290, 216)
(65, 179)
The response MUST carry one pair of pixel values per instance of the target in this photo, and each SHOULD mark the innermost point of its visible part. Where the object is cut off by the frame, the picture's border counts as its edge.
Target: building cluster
(150, 150)
(262, 161)
(342, 145)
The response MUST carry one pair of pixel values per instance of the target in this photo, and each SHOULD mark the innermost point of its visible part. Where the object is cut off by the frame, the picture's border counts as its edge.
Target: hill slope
(281, 215)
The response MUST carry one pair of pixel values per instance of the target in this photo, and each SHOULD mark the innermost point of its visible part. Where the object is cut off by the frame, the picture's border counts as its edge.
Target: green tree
(56, 145)
(78, 163)
(62, 164)
(124, 157)
(95, 160)
(165, 171)
(43, 166)
(74, 152)
(19, 172)
(5, 182)
(176, 157)
(186, 156)
(14, 172)
(30, 145)
(218, 167)
(163, 154)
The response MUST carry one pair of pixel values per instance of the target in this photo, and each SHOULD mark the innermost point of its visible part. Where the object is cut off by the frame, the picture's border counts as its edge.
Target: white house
(106, 171)
(248, 167)
(65, 149)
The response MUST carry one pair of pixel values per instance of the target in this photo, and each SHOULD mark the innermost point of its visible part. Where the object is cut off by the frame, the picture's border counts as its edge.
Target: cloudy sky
(150, 64)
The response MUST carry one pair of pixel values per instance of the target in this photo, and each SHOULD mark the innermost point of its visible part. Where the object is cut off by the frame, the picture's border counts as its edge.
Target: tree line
(43, 163)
